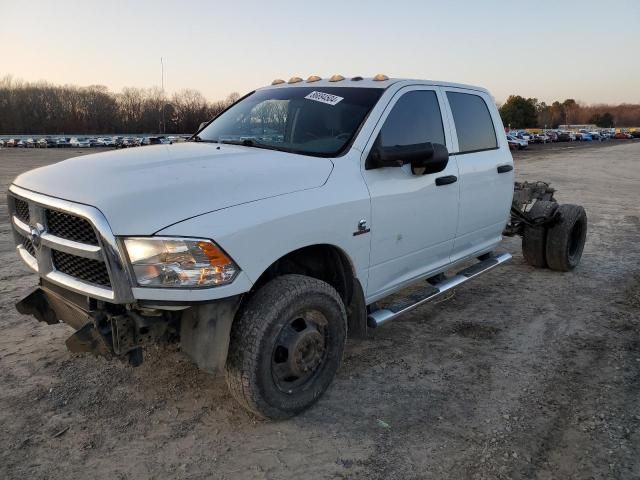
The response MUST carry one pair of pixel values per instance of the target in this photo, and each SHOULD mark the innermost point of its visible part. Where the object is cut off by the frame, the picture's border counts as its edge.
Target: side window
(415, 118)
(473, 122)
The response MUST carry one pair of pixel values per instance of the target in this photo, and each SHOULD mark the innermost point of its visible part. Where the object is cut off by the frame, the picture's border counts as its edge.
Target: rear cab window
(473, 123)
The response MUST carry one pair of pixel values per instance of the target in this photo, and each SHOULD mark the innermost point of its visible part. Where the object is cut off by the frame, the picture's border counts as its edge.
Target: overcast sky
(587, 50)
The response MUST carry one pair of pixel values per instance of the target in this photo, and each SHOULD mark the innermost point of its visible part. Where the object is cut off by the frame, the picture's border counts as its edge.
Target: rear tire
(286, 346)
(566, 238)
(534, 238)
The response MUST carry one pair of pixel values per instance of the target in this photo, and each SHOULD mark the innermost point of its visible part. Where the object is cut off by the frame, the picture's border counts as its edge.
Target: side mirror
(423, 157)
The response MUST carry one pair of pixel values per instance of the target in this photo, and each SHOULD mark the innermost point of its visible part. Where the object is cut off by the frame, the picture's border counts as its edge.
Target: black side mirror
(423, 157)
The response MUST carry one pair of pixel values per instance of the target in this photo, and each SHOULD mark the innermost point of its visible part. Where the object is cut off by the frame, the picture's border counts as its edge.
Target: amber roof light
(380, 77)
(336, 78)
(277, 81)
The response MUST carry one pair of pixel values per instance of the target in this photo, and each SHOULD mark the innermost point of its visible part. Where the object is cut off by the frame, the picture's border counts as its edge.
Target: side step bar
(428, 293)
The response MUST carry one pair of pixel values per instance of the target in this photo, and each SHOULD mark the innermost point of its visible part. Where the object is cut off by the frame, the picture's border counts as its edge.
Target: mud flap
(205, 330)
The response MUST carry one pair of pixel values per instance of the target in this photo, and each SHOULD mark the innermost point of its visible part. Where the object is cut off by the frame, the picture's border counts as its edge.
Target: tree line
(520, 112)
(44, 108)
(56, 109)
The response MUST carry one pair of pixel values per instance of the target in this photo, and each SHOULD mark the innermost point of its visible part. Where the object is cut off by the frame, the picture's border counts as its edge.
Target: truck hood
(142, 190)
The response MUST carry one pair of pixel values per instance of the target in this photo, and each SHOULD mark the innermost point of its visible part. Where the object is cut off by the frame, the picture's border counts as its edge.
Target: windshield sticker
(324, 98)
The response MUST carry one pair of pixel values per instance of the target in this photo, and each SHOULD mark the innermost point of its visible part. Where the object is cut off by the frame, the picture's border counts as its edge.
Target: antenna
(162, 83)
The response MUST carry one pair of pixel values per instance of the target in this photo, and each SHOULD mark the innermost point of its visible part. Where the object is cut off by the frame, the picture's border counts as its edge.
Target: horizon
(550, 52)
(233, 92)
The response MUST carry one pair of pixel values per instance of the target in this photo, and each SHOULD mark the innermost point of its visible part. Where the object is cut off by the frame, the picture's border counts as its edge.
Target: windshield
(319, 121)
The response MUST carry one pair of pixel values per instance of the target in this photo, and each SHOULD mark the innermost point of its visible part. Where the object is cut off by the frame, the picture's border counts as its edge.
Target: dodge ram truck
(281, 227)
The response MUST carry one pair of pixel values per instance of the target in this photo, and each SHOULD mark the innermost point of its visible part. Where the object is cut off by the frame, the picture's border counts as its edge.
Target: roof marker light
(277, 81)
(313, 78)
(356, 79)
(380, 77)
(336, 78)
(295, 80)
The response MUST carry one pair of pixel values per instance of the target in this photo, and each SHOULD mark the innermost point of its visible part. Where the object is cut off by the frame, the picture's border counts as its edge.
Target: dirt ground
(523, 373)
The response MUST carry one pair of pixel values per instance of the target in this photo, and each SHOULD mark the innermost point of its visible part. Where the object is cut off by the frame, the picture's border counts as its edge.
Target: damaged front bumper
(111, 330)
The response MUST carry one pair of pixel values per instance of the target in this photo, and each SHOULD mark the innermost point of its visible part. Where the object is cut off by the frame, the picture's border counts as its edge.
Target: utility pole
(163, 101)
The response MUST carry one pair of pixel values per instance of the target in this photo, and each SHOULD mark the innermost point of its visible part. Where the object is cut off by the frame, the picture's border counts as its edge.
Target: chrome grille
(92, 271)
(70, 227)
(69, 244)
(28, 246)
(22, 210)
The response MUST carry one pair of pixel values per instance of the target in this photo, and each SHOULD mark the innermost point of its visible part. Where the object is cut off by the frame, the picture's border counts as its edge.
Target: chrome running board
(428, 293)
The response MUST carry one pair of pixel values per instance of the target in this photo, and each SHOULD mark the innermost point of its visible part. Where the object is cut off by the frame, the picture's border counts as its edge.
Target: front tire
(286, 346)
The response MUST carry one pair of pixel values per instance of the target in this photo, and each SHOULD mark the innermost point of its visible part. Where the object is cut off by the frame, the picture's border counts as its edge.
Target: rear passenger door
(486, 171)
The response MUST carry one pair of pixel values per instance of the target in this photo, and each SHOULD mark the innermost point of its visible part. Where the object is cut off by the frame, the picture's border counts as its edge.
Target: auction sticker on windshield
(324, 98)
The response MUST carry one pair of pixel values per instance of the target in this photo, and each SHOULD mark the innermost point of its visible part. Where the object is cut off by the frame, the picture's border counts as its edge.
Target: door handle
(446, 180)
(504, 168)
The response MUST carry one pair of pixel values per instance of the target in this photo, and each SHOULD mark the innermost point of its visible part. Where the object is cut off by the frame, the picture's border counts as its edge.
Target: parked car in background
(622, 136)
(106, 142)
(635, 134)
(30, 143)
(80, 142)
(596, 136)
(47, 143)
(552, 136)
(155, 141)
(1, 143)
(62, 142)
(517, 143)
(12, 142)
(564, 137)
(524, 136)
(21, 144)
(585, 137)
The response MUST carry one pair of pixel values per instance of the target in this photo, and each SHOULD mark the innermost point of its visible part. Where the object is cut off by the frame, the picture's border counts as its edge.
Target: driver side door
(413, 217)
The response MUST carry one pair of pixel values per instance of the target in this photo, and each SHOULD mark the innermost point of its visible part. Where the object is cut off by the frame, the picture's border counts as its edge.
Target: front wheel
(286, 346)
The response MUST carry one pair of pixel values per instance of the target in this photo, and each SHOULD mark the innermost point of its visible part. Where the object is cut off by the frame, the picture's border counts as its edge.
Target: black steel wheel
(286, 346)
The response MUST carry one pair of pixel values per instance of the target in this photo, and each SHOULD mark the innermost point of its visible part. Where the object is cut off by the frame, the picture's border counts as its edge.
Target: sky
(586, 50)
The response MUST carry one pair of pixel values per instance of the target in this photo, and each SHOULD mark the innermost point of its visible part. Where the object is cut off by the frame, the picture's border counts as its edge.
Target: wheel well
(324, 262)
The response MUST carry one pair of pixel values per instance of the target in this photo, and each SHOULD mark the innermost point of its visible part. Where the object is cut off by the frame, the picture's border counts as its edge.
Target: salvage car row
(519, 140)
(89, 142)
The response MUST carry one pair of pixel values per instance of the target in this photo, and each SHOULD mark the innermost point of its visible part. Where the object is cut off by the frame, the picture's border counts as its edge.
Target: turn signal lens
(179, 263)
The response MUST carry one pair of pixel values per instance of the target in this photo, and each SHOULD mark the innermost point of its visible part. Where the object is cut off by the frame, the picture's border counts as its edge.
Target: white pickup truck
(280, 228)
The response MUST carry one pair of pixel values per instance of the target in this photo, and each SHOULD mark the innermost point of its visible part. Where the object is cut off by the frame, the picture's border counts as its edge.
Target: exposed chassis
(525, 194)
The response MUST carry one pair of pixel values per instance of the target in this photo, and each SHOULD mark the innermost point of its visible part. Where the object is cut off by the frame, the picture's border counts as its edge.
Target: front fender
(257, 234)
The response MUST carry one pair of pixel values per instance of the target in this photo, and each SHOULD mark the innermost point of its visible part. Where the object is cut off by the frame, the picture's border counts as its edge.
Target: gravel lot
(523, 373)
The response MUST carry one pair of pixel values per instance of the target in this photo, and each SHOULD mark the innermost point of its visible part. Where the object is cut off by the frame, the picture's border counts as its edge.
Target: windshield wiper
(197, 138)
(248, 142)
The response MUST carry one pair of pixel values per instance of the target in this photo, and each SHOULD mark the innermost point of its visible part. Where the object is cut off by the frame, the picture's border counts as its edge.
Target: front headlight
(177, 262)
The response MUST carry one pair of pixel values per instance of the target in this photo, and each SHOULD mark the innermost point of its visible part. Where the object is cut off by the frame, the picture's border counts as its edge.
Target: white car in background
(522, 144)
(80, 142)
(106, 142)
